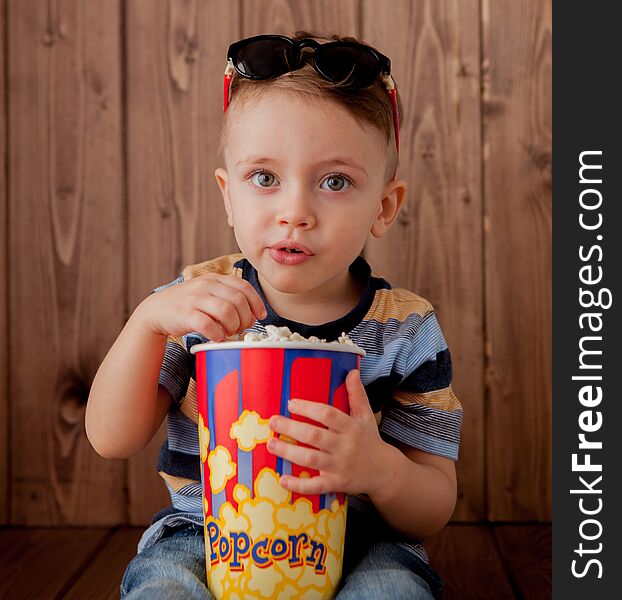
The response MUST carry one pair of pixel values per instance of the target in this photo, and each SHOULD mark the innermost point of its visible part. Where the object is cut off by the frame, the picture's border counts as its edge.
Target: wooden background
(109, 112)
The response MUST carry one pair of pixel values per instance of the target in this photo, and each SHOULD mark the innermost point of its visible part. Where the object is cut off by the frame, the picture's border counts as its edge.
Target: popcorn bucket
(261, 540)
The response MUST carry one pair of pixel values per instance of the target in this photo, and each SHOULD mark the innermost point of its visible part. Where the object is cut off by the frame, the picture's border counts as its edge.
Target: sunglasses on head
(351, 64)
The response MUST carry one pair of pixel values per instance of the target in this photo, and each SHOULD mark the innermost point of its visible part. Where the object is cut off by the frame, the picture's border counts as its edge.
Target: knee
(397, 584)
(179, 588)
(149, 576)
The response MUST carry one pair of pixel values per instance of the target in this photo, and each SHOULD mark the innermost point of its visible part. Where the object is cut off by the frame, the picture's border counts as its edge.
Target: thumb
(359, 404)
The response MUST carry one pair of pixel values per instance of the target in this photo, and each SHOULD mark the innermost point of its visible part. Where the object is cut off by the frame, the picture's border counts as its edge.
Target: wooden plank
(526, 550)
(435, 247)
(66, 253)
(285, 18)
(517, 196)
(37, 563)
(176, 55)
(466, 558)
(102, 577)
(4, 292)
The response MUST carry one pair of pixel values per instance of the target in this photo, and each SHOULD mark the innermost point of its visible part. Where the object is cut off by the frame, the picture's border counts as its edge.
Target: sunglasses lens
(356, 67)
(263, 59)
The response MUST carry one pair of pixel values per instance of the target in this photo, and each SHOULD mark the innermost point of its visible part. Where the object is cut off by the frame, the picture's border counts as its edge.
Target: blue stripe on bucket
(218, 367)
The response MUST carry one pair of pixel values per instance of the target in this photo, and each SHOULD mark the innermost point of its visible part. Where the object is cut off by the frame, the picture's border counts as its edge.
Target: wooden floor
(477, 562)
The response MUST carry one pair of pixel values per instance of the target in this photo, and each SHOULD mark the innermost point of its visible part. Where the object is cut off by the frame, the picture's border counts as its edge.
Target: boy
(310, 142)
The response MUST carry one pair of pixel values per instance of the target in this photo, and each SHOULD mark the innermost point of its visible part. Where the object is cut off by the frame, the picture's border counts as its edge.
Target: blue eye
(264, 178)
(337, 182)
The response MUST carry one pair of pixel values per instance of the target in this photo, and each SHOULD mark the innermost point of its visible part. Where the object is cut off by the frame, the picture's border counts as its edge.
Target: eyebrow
(257, 160)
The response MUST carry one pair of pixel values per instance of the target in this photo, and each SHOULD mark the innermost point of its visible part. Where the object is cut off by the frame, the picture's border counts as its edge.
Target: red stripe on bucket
(310, 380)
(262, 375)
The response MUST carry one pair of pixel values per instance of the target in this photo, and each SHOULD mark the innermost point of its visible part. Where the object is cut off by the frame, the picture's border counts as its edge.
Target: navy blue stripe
(380, 390)
(179, 464)
(431, 375)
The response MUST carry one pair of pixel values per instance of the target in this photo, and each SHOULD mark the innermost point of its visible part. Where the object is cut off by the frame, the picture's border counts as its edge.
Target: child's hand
(217, 306)
(349, 453)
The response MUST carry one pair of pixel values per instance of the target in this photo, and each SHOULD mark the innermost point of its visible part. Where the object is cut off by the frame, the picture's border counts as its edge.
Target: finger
(239, 300)
(319, 484)
(318, 437)
(254, 299)
(222, 311)
(207, 326)
(357, 396)
(299, 455)
(327, 415)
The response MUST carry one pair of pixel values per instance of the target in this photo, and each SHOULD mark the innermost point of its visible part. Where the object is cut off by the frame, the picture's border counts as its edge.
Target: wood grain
(286, 17)
(109, 134)
(176, 55)
(102, 577)
(435, 247)
(527, 552)
(517, 202)
(466, 558)
(4, 291)
(37, 563)
(66, 253)
(89, 563)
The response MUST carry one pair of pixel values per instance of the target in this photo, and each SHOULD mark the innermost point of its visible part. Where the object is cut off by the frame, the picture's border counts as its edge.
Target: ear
(393, 197)
(222, 178)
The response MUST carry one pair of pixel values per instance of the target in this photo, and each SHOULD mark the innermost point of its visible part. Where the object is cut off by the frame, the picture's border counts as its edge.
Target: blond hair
(367, 106)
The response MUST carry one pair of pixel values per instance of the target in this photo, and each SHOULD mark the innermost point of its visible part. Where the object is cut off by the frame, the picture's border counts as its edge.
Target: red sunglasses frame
(388, 81)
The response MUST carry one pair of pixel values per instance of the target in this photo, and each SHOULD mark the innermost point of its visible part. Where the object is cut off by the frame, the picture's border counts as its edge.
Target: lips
(292, 247)
(284, 257)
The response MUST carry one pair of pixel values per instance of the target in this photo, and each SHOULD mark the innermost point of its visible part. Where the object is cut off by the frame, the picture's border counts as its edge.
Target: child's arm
(126, 405)
(415, 492)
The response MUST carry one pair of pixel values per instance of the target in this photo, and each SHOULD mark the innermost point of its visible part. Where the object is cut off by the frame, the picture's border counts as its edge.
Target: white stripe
(183, 434)
(192, 504)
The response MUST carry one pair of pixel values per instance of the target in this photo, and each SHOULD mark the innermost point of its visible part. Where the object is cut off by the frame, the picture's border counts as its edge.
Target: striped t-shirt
(406, 373)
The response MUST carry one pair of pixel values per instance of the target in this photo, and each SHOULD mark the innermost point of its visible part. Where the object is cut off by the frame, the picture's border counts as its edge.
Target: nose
(297, 211)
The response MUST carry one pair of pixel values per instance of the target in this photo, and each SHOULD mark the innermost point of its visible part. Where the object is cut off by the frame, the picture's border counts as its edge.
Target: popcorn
(284, 334)
(270, 548)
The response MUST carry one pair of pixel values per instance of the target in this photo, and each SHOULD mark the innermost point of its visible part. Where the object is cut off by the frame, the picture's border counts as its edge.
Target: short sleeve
(178, 363)
(423, 411)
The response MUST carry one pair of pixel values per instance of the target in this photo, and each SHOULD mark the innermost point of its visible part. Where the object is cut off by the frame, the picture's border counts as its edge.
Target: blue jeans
(174, 567)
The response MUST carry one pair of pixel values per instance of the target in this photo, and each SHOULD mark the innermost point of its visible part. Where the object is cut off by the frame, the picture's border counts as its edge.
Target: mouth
(288, 252)
(292, 247)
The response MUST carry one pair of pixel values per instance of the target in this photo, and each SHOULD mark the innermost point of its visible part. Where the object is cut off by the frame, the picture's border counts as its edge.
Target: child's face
(284, 181)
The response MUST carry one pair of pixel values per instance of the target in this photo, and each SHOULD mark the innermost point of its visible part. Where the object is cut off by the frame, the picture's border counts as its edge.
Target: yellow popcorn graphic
(221, 468)
(264, 585)
(296, 516)
(273, 547)
(267, 486)
(241, 493)
(249, 430)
